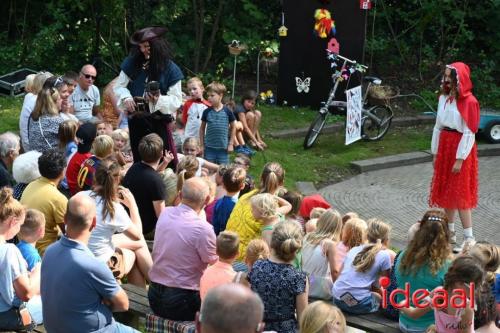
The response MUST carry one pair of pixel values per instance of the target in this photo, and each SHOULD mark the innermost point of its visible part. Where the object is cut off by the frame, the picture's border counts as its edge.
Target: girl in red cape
(454, 184)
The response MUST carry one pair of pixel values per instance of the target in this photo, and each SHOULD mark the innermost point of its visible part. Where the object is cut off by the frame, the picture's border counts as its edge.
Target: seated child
(269, 210)
(250, 118)
(464, 271)
(193, 108)
(321, 316)
(243, 161)
(31, 231)
(67, 143)
(191, 147)
(104, 128)
(257, 249)
(294, 198)
(486, 313)
(363, 265)
(310, 226)
(220, 191)
(222, 271)
(233, 181)
(353, 234)
(186, 169)
(121, 150)
(102, 149)
(349, 215)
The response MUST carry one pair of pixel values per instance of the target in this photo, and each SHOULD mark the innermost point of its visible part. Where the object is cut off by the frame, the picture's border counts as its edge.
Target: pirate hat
(147, 34)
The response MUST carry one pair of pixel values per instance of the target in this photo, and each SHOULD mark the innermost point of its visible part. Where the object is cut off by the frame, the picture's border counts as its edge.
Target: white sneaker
(465, 246)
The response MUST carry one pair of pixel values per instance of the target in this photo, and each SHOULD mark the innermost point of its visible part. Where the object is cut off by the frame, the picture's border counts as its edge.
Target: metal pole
(258, 73)
(234, 77)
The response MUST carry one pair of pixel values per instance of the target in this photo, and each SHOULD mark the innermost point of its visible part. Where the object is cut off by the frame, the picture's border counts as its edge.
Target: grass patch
(326, 162)
(10, 108)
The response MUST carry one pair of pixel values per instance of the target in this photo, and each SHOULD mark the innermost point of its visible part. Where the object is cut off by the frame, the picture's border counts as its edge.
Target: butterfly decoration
(303, 85)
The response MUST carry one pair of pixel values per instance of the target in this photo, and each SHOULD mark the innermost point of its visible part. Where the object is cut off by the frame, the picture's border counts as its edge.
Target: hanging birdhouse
(283, 31)
(235, 48)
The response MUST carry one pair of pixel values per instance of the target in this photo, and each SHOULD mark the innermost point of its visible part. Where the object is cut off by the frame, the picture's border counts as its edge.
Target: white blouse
(167, 104)
(449, 116)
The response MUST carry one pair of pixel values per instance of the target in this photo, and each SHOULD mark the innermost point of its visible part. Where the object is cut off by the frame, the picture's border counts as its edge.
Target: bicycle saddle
(372, 79)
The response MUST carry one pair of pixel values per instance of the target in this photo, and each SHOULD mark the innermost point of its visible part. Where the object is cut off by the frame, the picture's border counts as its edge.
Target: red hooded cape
(467, 104)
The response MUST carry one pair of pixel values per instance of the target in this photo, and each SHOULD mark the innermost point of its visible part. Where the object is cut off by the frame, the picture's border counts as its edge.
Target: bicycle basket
(381, 95)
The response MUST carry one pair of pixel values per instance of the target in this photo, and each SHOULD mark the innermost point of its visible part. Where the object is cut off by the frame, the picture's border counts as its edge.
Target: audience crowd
(79, 204)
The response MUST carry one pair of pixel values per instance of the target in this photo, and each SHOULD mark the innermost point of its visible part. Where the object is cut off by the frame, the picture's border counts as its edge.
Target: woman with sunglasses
(43, 124)
(149, 73)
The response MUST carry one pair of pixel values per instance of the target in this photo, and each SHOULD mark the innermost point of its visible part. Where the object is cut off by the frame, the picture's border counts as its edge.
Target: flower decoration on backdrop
(324, 25)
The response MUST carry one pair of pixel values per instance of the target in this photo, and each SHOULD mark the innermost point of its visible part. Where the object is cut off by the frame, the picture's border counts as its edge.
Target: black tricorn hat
(147, 34)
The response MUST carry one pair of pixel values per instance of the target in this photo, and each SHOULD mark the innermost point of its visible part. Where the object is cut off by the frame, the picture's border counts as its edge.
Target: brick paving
(399, 196)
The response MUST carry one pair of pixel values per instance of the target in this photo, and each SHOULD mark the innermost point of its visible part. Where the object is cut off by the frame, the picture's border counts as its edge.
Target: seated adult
(25, 170)
(117, 238)
(44, 121)
(241, 219)
(230, 308)
(145, 183)
(79, 292)
(18, 288)
(85, 136)
(42, 194)
(183, 247)
(424, 264)
(9, 150)
(28, 106)
(85, 99)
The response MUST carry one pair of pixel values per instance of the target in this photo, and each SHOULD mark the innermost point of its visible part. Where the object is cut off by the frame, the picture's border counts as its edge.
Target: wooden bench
(374, 322)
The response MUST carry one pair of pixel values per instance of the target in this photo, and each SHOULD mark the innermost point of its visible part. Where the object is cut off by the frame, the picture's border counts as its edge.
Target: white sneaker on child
(465, 246)
(453, 238)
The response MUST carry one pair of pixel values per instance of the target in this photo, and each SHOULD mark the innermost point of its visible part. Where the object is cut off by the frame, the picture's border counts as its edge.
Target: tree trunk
(215, 29)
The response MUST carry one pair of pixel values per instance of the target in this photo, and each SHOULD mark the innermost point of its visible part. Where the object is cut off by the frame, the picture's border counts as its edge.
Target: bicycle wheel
(315, 129)
(373, 129)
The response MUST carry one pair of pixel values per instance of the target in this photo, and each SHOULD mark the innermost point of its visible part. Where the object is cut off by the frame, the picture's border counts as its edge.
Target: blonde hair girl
(322, 317)
(103, 146)
(257, 249)
(489, 255)
(353, 234)
(25, 284)
(269, 209)
(242, 220)
(282, 287)
(319, 254)
(191, 147)
(67, 134)
(363, 265)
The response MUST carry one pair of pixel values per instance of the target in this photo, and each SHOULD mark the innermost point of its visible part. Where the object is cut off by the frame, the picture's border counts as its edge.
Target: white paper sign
(353, 121)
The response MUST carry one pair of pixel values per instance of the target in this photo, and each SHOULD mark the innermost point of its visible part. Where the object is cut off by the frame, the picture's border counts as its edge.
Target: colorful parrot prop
(324, 24)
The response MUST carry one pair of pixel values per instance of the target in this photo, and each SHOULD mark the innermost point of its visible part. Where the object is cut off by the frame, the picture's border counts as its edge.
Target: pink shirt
(183, 247)
(340, 253)
(215, 275)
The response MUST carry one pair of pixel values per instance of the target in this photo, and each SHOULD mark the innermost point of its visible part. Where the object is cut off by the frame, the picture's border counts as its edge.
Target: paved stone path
(399, 196)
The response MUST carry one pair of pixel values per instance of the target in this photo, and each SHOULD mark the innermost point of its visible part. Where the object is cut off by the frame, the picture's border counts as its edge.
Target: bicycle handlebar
(349, 60)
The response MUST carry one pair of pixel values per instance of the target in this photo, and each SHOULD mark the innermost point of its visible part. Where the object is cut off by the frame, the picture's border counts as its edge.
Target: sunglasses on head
(88, 76)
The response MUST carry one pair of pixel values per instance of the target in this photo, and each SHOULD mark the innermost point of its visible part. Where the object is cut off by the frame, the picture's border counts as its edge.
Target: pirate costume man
(149, 89)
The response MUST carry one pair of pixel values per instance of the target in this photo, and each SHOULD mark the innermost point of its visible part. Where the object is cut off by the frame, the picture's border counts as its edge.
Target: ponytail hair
(45, 103)
(186, 168)
(272, 177)
(378, 232)
(105, 185)
(257, 249)
(9, 207)
(286, 240)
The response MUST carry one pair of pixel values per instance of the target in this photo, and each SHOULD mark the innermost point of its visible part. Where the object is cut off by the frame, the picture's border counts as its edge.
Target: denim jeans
(174, 303)
(120, 328)
(217, 156)
(367, 305)
(410, 329)
(10, 320)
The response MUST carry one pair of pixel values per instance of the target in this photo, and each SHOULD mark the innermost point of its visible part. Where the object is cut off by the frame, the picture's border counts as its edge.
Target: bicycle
(375, 119)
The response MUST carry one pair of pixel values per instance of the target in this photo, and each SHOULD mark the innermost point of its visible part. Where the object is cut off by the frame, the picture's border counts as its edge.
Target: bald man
(79, 293)
(230, 308)
(184, 245)
(84, 101)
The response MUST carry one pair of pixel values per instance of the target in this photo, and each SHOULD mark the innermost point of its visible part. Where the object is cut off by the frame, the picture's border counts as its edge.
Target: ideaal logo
(421, 298)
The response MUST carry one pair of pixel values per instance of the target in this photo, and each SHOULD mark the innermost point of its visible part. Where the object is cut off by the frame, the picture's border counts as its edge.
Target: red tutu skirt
(453, 190)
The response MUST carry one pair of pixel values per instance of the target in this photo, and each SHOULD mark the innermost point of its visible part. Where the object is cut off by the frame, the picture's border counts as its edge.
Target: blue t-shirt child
(30, 254)
(222, 210)
(217, 134)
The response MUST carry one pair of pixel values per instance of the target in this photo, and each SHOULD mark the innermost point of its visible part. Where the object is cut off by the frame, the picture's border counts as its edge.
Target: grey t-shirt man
(84, 101)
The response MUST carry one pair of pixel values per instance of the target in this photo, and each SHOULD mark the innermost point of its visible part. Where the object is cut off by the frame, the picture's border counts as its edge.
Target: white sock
(468, 233)
(451, 226)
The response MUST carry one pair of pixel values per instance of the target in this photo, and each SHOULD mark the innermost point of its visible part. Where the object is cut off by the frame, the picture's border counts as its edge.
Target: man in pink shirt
(222, 271)
(183, 247)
